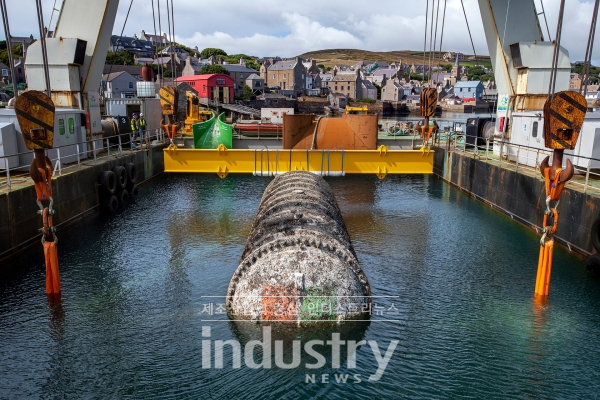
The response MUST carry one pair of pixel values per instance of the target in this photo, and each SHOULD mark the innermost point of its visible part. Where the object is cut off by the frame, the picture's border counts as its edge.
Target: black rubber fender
(111, 204)
(593, 263)
(131, 172)
(108, 182)
(123, 197)
(595, 234)
(121, 177)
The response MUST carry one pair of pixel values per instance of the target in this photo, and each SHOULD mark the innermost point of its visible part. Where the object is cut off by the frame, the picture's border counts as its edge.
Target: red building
(218, 87)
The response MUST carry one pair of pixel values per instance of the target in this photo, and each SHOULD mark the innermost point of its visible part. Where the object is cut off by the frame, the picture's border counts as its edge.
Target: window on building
(469, 89)
(461, 89)
(241, 75)
(336, 87)
(257, 84)
(284, 76)
(220, 81)
(534, 129)
(273, 76)
(4, 72)
(130, 85)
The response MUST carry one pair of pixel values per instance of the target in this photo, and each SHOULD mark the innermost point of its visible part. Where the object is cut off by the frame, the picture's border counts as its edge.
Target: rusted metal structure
(350, 132)
(298, 264)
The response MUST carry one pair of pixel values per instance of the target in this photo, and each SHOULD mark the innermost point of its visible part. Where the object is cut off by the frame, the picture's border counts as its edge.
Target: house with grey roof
(392, 91)
(119, 85)
(239, 73)
(325, 82)
(256, 83)
(156, 40)
(337, 100)
(367, 90)
(289, 76)
(142, 48)
(133, 70)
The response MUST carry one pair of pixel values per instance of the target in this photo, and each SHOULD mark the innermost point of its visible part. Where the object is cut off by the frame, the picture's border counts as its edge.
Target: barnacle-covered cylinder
(298, 263)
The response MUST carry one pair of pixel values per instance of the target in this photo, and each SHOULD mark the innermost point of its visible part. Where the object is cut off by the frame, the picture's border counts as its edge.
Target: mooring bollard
(298, 264)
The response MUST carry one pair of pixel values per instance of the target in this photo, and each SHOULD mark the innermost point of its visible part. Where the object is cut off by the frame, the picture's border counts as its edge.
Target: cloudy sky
(289, 28)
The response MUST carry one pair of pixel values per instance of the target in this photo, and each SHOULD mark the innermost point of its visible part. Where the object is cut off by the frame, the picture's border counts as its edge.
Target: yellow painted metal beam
(275, 161)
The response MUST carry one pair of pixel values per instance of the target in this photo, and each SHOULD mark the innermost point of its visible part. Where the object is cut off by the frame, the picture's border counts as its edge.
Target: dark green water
(130, 320)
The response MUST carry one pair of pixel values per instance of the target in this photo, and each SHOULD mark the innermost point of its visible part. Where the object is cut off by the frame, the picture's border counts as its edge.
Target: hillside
(332, 57)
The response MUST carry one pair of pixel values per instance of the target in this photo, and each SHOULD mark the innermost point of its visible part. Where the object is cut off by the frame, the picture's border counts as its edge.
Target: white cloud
(304, 34)
(274, 27)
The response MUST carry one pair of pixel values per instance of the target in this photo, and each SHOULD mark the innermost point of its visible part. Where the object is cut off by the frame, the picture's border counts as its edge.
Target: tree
(120, 58)
(248, 94)
(447, 67)
(475, 73)
(211, 51)
(378, 90)
(17, 51)
(416, 77)
(213, 69)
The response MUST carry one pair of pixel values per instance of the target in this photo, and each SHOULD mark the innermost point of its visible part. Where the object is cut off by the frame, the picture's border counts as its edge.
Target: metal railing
(521, 157)
(89, 152)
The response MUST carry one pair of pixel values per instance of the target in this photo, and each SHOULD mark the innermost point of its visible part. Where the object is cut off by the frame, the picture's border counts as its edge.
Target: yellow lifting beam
(269, 162)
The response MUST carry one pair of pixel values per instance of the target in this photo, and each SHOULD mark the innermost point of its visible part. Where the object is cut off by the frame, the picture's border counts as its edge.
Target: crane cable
(588, 51)
(118, 44)
(432, 55)
(160, 68)
(425, 38)
(173, 76)
(156, 44)
(475, 53)
(553, 70)
(430, 44)
(442, 34)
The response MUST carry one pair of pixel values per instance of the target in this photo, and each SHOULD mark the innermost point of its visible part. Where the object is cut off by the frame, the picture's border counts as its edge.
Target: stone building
(348, 84)
(288, 75)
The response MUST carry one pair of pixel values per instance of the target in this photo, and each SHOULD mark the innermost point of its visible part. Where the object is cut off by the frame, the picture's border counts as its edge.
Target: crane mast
(520, 57)
(76, 56)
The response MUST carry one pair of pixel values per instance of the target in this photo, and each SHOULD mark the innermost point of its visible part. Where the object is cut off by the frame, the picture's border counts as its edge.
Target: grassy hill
(331, 57)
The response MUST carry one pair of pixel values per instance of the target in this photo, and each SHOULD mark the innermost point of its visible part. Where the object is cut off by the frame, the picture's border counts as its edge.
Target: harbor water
(136, 290)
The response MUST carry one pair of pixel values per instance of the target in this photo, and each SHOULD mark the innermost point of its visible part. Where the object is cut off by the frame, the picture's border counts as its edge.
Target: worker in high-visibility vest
(135, 127)
(142, 128)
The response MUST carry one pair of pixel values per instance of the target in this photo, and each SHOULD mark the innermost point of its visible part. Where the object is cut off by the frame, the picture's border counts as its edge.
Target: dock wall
(521, 196)
(74, 194)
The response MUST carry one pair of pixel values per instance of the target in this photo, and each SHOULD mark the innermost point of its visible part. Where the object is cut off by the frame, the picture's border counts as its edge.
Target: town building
(451, 56)
(256, 83)
(289, 76)
(325, 82)
(156, 40)
(469, 90)
(337, 100)
(216, 87)
(134, 70)
(139, 47)
(367, 90)
(311, 67)
(392, 91)
(239, 73)
(119, 85)
(347, 84)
